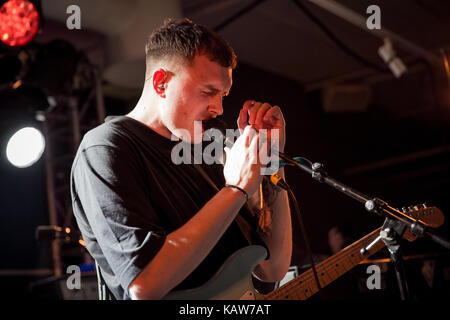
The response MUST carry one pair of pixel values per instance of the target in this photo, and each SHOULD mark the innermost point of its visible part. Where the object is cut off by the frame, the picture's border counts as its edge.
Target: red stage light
(19, 22)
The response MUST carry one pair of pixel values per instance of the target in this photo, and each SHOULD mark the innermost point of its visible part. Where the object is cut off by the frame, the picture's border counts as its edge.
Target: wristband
(240, 189)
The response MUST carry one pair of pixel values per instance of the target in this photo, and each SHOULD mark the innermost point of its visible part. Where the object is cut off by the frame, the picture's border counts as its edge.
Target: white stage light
(25, 147)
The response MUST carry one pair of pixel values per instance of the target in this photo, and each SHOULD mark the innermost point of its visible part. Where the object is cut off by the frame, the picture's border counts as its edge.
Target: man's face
(193, 94)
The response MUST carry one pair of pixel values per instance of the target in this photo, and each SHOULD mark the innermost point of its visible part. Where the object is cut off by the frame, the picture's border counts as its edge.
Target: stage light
(446, 62)
(25, 147)
(389, 56)
(19, 22)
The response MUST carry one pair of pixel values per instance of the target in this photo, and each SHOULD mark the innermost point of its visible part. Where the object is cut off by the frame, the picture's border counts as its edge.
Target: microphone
(275, 178)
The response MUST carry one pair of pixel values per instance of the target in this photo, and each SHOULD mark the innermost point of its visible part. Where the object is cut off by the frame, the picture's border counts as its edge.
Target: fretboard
(304, 286)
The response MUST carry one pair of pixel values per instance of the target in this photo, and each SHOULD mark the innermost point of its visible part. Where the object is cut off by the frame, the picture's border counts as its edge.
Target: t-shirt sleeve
(114, 196)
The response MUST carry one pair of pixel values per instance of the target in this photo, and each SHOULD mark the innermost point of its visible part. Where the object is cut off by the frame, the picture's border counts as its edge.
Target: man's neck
(148, 114)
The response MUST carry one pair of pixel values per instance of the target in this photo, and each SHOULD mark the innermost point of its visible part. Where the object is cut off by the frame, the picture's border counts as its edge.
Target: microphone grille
(216, 124)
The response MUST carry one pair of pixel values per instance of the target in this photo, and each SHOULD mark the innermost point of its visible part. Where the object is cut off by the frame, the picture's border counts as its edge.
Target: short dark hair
(184, 38)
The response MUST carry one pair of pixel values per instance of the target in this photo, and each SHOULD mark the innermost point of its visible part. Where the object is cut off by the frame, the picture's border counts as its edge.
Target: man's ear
(159, 82)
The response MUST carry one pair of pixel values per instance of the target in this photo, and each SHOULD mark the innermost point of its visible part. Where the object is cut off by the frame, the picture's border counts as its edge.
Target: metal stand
(62, 122)
(391, 234)
(397, 260)
(394, 227)
(51, 198)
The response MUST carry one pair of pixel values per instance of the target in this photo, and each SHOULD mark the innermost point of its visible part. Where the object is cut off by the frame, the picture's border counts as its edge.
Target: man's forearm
(276, 231)
(186, 247)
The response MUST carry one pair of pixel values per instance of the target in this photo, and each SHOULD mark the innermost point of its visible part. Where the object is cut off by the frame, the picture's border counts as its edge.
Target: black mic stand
(393, 228)
(390, 234)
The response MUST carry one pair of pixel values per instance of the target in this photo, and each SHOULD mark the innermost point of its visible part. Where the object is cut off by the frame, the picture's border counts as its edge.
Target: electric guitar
(233, 280)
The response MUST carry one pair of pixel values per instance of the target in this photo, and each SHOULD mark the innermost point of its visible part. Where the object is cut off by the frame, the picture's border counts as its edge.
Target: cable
(303, 231)
(338, 42)
(278, 181)
(237, 15)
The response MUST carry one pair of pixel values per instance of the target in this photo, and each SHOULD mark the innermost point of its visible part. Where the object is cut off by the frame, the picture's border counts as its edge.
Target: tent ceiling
(275, 35)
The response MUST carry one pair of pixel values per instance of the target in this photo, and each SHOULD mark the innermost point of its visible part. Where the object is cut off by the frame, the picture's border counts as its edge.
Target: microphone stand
(394, 226)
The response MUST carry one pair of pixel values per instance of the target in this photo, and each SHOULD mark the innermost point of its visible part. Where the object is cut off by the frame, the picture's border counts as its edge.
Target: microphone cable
(276, 180)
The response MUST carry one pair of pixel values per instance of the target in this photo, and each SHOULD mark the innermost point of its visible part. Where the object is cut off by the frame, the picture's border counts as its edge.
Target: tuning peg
(411, 208)
(404, 210)
(424, 205)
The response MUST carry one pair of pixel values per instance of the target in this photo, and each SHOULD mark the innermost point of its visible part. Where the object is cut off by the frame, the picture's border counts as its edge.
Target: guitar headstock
(430, 216)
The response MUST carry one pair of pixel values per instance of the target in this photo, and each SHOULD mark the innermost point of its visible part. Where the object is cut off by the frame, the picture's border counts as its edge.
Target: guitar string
(308, 277)
(328, 265)
(339, 259)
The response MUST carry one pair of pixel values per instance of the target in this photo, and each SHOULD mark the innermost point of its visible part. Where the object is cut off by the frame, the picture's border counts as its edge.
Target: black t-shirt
(127, 195)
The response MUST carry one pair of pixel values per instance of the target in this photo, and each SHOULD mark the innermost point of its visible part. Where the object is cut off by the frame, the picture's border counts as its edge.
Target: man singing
(153, 226)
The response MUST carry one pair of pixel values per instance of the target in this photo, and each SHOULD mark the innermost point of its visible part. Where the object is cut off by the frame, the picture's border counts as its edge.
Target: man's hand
(243, 167)
(263, 116)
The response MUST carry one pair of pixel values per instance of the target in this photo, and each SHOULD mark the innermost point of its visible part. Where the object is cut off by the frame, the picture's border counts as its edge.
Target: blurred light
(82, 243)
(25, 147)
(388, 54)
(17, 84)
(19, 22)
(445, 57)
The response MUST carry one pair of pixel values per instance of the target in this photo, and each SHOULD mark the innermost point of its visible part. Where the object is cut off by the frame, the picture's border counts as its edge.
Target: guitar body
(232, 281)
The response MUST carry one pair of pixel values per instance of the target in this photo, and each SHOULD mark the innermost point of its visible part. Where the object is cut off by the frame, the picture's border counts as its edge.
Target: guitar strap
(245, 227)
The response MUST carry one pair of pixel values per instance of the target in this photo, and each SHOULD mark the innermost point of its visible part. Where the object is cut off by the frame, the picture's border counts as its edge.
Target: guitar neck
(304, 286)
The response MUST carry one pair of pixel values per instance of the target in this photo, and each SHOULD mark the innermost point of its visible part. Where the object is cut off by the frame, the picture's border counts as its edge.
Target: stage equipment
(26, 143)
(389, 56)
(25, 147)
(396, 222)
(19, 22)
(360, 21)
